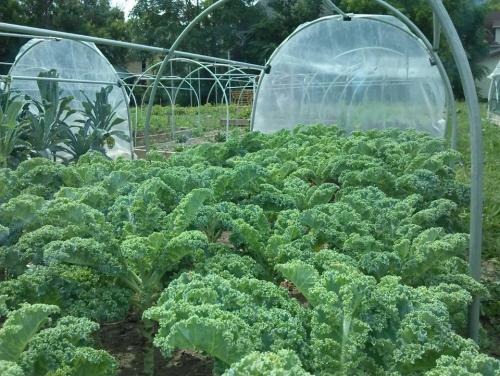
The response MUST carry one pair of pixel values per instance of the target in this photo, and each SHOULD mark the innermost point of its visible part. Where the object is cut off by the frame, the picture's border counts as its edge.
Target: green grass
(491, 144)
(491, 220)
(207, 117)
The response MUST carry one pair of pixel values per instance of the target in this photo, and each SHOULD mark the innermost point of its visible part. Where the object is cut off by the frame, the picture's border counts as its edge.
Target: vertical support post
(437, 32)
(476, 143)
(200, 100)
(191, 86)
(172, 101)
(449, 90)
(216, 96)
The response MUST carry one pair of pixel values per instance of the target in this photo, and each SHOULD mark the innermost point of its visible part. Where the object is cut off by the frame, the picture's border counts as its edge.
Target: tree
(226, 30)
(284, 16)
(10, 11)
(492, 5)
(466, 15)
(88, 17)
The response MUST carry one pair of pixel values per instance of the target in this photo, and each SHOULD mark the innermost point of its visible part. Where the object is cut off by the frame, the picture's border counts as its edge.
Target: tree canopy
(247, 30)
(251, 30)
(89, 17)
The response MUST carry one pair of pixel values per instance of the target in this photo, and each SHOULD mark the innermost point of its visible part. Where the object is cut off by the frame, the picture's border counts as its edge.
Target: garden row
(304, 252)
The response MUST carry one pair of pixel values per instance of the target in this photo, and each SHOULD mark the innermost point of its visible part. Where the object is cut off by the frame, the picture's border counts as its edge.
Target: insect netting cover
(366, 73)
(494, 94)
(75, 61)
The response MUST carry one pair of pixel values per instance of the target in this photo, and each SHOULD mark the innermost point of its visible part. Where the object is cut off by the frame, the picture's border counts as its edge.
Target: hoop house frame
(444, 24)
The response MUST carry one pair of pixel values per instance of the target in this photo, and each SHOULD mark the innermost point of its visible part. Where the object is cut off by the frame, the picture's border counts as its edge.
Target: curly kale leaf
(280, 363)
(77, 291)
(226, 317)
(20, 328)
(469, 363)
(10, 369)
(27, 344)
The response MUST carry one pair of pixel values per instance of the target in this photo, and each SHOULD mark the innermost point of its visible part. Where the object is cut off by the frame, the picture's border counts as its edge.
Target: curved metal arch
(165, 89)
(201, 66)
(144, 74)
(492, 93)
(476, 141)
(232, 69)
(169, 56)
(183, 79)
(205, 67)
(432, 49)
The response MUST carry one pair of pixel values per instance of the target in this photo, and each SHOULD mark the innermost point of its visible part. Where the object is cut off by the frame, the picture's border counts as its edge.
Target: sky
(125, 5)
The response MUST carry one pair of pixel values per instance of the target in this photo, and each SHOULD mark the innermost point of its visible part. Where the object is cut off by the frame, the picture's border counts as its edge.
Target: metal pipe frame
(476, 143)
(169, 56)
(109, 42)
(217, 81)
(442, 24)
(59, 79)
(237, 73)
(229, 74)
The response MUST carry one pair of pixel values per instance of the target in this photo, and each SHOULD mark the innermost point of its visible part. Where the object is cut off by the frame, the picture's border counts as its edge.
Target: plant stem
(149, 354)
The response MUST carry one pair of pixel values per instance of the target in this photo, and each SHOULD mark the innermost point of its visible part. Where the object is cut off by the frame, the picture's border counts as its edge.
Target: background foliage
(246, 30)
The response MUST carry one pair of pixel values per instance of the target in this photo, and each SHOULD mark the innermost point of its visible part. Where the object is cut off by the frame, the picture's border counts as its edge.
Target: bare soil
(124, 341)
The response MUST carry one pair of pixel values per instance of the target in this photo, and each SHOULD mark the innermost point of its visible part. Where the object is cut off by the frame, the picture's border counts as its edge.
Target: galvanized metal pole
(436, 32)
(37, 32)
(442, 70)
(59, 79)
(476, 143)
(170, 54)
(335, 8)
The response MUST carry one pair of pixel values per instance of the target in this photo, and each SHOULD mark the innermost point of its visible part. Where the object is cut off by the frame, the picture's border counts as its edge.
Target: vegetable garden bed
(304, 252)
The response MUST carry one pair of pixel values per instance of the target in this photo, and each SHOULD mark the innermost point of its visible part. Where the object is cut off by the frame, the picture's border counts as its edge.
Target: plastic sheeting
(366, 73)
(494, 95)
(78, 61)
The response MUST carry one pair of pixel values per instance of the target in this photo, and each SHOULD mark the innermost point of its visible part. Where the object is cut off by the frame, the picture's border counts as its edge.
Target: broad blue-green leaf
(303, 276)
(20, 327)
(188, 208)
(214, 337)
